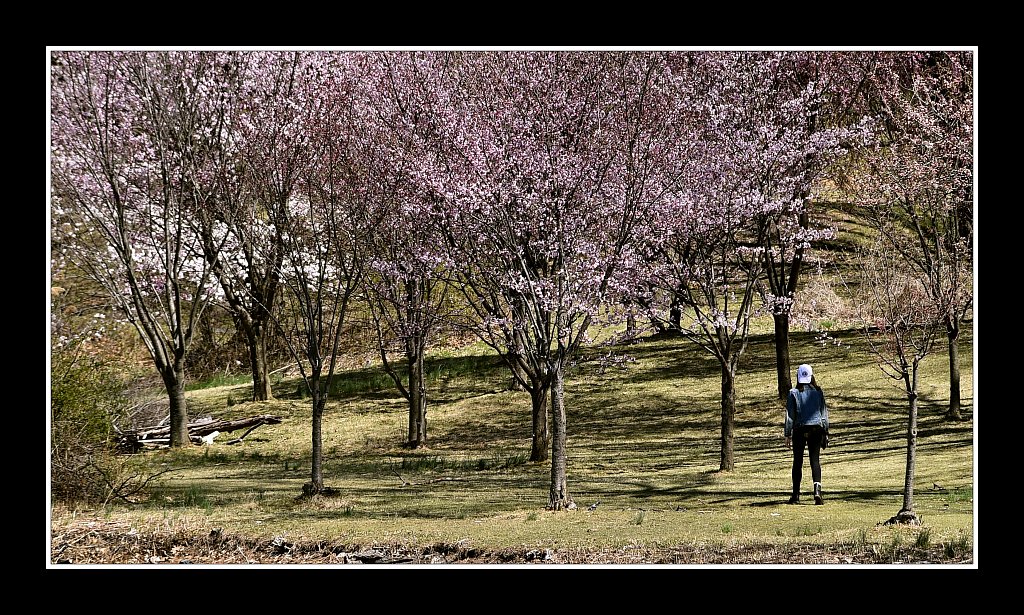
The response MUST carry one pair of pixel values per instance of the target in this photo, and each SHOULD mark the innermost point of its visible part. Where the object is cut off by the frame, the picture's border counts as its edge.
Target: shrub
(958, 546)
(87, 402)
(818, 307)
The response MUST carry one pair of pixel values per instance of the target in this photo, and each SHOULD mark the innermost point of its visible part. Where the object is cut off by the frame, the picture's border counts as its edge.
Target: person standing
(806, 426)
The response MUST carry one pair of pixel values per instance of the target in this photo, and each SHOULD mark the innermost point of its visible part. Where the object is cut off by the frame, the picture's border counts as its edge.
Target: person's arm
(790, 415)
(824, 412)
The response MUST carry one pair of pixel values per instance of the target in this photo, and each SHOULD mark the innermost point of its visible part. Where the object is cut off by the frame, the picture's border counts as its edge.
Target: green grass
(441, 373)
(643, 440)
(223, 381)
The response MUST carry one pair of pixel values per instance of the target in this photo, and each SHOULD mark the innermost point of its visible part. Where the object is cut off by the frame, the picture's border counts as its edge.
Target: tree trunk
(515, 381)
(656, 323)
(515, 352)
(908, 483)
(316, 482)
(728, 417)
(782, 364)
(559, 498)
(779, 284)
(675, 313)
(541, 436)
(953, 335)
(257, 340)
(417, 397)
(173, 381)
(205, 329)
(630, 323)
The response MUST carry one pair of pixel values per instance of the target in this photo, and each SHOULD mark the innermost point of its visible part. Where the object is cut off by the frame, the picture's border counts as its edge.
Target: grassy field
(643, 444)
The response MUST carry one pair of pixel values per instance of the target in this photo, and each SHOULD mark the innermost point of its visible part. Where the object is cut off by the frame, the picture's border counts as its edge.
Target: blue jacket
(811, 409)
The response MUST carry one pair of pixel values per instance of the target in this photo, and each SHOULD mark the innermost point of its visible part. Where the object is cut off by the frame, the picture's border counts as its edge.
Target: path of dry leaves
(104, 542)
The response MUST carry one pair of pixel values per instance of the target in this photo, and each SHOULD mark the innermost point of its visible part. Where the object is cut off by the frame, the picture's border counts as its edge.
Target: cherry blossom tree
(710, 240)
(130, 159)
(323, 228)
(406, 281)
(917, 181)
(755, 132)
(915, 186)
(800, 118)
(263, 96)
(541, 195)
(713, 250)
(408, 300)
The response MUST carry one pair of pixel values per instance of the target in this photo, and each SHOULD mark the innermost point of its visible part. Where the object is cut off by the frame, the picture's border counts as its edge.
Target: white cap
(804, 373)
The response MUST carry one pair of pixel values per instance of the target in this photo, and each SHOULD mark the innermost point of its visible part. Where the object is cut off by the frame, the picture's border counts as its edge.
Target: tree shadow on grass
(633, 438)
(691, 495)
(807, 498)
(455, 375)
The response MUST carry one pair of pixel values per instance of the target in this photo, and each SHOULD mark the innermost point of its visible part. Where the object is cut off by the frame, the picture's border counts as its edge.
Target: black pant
(809, 436)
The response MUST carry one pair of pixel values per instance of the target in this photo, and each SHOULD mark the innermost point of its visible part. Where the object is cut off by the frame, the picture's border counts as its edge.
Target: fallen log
(160, 436)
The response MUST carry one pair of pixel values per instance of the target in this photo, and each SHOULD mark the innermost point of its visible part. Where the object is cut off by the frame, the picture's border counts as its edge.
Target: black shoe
(794, 499)
(817, 495)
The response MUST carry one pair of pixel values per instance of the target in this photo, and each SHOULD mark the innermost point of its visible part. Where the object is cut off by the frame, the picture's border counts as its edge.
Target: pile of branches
(201, 431)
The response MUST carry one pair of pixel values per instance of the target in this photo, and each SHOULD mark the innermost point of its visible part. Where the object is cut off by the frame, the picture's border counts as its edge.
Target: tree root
(904, 517)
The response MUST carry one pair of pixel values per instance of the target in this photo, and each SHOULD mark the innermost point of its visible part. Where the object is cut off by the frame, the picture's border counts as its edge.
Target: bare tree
(917, 182)
(902, 323)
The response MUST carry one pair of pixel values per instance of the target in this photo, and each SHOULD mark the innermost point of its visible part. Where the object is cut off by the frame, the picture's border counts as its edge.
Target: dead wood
(160, 436)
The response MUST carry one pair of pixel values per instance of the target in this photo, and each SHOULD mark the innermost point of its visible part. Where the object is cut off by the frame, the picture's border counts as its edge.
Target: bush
(88, 399)
(819, 307)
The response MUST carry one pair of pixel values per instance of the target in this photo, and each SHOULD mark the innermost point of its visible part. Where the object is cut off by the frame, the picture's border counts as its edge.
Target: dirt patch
(99, 542)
